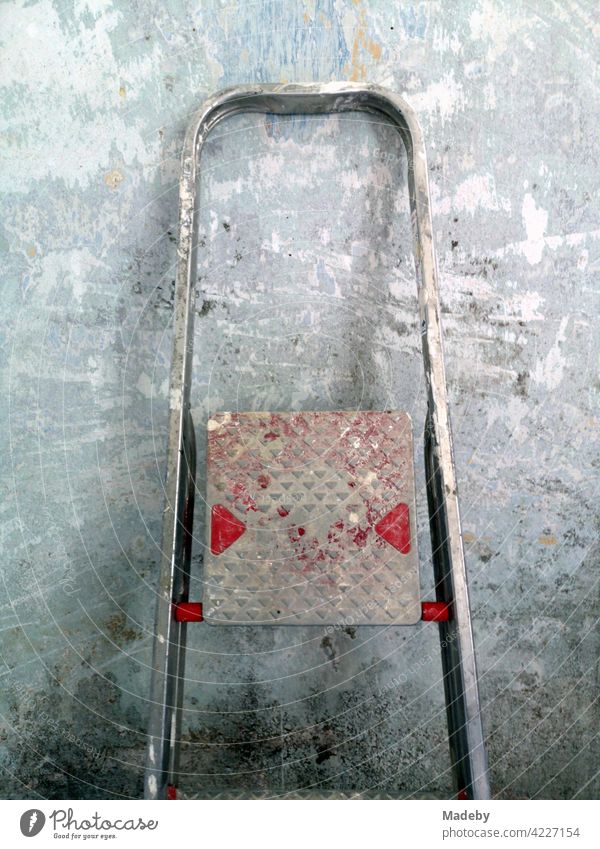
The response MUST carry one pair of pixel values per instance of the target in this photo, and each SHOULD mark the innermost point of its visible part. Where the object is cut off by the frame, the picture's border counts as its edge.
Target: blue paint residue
(325, 278)
(414, 21)
(283, 44)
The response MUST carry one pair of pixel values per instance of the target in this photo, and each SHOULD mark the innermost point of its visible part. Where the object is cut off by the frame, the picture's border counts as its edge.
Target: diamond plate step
(311, 519)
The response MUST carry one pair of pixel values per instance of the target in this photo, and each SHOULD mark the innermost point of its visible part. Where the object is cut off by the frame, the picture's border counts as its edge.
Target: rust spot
(357, 69)
(547, 539)
(119, 632)
(113, 179)
(375, 50)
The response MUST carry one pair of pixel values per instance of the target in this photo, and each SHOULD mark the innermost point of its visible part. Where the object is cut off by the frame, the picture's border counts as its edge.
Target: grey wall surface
(306, 300)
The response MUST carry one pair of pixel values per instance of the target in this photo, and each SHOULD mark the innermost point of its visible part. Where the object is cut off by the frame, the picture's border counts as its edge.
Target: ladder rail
(458, 654)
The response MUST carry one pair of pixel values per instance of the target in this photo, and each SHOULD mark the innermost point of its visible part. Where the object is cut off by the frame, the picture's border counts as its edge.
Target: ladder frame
(465, 730)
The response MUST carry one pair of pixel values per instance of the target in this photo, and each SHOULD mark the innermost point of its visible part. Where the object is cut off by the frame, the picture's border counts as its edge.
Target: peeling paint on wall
(307, 301)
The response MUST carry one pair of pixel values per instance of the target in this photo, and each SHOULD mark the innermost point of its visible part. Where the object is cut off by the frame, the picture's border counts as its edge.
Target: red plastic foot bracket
(462, 795)
(188, 611)
(171, 791)
(435, 611)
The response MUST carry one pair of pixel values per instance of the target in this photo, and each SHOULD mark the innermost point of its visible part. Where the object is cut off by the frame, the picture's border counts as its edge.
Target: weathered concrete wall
(306, 301)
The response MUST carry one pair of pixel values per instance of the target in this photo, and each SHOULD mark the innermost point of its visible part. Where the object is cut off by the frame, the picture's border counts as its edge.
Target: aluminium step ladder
(293, 497)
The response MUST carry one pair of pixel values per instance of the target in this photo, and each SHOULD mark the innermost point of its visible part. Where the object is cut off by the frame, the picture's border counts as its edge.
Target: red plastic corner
(462, 795)
(435, 611)
(394, 528)
(225, 529)
(171, 791)
(188, 611)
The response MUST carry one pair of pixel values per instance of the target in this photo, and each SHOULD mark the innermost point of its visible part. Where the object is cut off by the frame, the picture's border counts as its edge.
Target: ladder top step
(311, 519)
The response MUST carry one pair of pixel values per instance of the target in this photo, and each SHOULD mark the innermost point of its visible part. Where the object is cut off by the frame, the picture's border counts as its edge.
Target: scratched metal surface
(301, 233)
